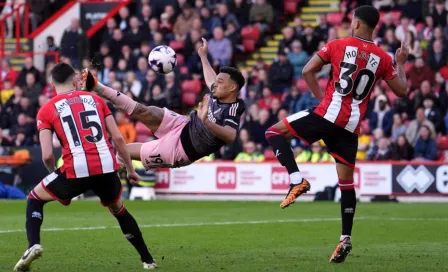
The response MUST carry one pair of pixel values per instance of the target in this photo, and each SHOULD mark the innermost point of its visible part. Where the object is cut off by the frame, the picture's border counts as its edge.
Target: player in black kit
(181, 141)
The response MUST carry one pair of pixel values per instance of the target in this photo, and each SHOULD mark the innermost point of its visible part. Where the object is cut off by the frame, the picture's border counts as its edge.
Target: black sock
(34, 219)
(282, 150)
(132, 232)
(348, 207)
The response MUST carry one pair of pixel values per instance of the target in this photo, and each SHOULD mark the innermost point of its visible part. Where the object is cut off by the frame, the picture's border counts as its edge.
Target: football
(162, 59)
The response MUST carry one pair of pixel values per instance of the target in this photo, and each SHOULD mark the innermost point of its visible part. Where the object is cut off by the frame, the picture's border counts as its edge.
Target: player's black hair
(368, 14)
(62, 72)
(235, 75)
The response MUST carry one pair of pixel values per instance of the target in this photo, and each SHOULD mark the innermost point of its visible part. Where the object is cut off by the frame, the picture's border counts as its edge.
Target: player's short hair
(62, 72)
(368, 14)
(235, 75)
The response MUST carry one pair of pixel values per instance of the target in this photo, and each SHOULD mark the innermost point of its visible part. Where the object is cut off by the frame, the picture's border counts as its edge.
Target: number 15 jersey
(78, 119)
(356, 65)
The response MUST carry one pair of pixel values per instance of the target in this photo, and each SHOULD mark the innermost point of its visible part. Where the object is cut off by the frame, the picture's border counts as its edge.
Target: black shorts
(311, 127)
(106, 186)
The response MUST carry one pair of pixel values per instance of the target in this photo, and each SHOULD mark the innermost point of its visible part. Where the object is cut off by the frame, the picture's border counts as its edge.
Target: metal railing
(18, 23)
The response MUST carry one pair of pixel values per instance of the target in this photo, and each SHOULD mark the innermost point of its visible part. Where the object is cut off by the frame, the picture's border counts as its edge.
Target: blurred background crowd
(410, 128)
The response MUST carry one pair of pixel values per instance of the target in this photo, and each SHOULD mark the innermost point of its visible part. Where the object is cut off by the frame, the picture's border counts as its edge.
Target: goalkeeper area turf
(231, 236)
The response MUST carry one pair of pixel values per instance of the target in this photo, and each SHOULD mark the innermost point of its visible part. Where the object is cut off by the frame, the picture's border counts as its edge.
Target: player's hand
(203, 50)
(203, 108)
(401, 56)
(133, 177)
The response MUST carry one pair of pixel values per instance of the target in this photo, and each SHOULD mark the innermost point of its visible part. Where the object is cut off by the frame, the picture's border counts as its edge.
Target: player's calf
(132, 233)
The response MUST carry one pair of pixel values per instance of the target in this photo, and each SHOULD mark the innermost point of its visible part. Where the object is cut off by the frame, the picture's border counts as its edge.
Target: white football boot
(150, 266)
(31, 254)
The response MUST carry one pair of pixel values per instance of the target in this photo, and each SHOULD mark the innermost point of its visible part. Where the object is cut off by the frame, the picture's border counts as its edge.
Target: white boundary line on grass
(199, 224)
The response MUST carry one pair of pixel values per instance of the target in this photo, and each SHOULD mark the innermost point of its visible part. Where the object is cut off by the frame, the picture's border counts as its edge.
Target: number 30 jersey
(356, 65)
(78, 119)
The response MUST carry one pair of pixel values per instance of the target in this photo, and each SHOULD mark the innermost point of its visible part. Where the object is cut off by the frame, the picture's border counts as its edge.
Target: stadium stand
(257, 35)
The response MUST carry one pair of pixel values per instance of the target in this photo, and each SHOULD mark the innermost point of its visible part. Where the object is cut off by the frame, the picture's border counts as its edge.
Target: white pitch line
(199, 224)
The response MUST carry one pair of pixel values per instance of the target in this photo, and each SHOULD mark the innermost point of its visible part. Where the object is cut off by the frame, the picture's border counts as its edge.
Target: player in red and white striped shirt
(356, 65)
(81, 121)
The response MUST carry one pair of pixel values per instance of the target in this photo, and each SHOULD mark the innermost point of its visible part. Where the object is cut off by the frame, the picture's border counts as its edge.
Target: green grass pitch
(231, 236)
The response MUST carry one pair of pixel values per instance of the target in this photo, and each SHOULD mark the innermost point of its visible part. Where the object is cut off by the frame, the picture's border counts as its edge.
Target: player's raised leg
(278, 136)
(132, 233)
(37, 198)
(150, 116)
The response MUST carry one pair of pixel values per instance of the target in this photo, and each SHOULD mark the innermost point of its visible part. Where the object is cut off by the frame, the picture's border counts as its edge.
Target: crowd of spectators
(393, 129)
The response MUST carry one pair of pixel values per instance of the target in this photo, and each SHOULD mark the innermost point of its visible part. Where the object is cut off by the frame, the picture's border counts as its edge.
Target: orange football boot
(295, 190)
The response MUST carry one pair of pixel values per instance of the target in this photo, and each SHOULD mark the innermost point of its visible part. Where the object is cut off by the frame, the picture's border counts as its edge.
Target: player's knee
(273, 131)
(117, 208)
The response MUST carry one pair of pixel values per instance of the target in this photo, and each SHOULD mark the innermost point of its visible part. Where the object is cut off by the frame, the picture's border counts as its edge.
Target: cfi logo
(162, 178)
(411, 179)
(226, 177)
(279, 178)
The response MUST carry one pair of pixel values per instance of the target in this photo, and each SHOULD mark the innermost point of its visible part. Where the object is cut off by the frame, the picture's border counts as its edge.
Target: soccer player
(181, 141)
(81, 120)
(357, 64)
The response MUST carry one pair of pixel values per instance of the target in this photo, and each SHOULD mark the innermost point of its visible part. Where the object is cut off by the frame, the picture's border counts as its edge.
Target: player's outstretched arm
(399, 84)
(209, 73)
(225, 133)
(46, 143)
(120, 144)
(309, 75)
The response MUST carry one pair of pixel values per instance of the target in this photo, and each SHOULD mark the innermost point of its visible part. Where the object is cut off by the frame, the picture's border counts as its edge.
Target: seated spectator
(363, 146)
(116, 43)
(310, 42)
(266, 99)
(32, 88)
(146, 14)
(74, 43)
(123, 18)
(172, 91)
(382, 116)
(135, 34)
(291, 100)
(170, 13)
(258, 128)
(150, 81)
(223, 17)
(437, 57)
(42, 100)
(261, 14)
(433, 114)
(424, 92)
(158, 98)
(112, 77)
(392, 42)
(250, 154)
(276, 106)
(26, 108)
(4, 140)
(131, 84)
(281, 74)
(6, 92)
(315, 154)
(298, 26)
(420, 72)
(108, 33)
(220, 48)
(404, 27)
(14, 101)
(332, 34)
(306, 101)
(388, 23)
(7, 73)
(184, 22)
(234, 37)
(282, 114)
(425, 147)
(121, 71)
(415, 51)
(382, 153)
(128, 56)
(262, 81)
(298, 58)
(207, 20)
(344, 30)
(142, 68)
(377, 135)
(241, 10)
(28, 68)
(398, 127)
(415, 125)
(402, 150)
(25, 128)
(145, 49)
(427, 31)
(289, 38)
(439, 13)
(108, 64)
(126, 127)
(322, 29)
(190, 43)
